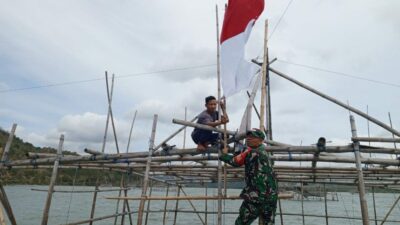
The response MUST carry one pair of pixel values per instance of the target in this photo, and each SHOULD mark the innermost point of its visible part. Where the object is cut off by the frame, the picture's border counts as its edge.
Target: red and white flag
(236, 72)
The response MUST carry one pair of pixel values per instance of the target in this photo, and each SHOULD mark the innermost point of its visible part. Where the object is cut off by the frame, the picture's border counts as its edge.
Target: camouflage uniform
(260, 193)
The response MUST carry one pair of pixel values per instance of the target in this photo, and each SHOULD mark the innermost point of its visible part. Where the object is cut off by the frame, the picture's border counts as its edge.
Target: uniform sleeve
(228, 158)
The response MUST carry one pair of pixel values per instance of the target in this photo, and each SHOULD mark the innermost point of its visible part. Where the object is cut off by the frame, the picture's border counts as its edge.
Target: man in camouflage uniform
(260, 194)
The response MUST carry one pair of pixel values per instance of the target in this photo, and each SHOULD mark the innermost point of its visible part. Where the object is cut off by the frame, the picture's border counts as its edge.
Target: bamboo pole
(76, 192)
(361, 187)
(109, 97)
(175, 156)
(37, 155)
(264, 78)
(52, 183)
(109, 100)
(231, 213)
(246, 119)
(373, 200)
(174, 134)
(111, 112)
(6, 204)
(194, 208)
(128, 207)
(6, 151)
(96, 190)
(148, 204)
(346, 106)
(391, 125)
(165, 206)
(146, 175)
(2, 219)
(193, 197)
(184, 131)
(99, 218)
(302, 203)
(326, 207)
(219, 218)
(130, 132)
(280, 210)
(390, 211)
(4, 158)
(376, 139)
(176, 204)
(206, 206)
(118, 201)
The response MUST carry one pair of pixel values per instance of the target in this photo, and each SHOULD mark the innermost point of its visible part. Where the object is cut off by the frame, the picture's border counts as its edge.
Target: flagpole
(219, 115)
(264, 97)
(264, 79)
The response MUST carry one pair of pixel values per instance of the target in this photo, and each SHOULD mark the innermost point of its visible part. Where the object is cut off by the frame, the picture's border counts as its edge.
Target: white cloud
(46, 42)
(3, 86)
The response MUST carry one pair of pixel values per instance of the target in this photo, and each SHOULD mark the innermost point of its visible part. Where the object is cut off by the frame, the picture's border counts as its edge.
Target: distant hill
(19, 150)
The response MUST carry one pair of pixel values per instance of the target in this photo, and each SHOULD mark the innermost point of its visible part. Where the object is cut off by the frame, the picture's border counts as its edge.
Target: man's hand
(224, 119)
(222, 104)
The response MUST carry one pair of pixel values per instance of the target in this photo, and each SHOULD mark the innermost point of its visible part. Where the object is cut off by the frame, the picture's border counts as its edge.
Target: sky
(163, 54)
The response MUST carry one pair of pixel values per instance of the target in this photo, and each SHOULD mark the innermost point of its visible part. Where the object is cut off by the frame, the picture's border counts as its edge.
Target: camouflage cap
(256, 133)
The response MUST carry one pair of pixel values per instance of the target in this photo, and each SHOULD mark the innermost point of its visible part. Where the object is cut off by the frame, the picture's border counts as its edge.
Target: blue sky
(46, 42)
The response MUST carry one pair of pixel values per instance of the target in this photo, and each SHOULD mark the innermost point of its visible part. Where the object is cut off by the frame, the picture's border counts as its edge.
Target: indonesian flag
(236, 72)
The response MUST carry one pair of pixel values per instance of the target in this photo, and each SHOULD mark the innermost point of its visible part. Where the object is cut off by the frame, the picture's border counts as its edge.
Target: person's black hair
(210, 98)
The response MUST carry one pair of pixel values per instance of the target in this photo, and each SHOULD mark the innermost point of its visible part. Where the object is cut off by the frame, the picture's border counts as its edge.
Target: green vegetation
(19, 150)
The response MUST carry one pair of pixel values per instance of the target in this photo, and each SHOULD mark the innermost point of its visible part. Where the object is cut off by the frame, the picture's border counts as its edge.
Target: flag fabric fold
(239, 19)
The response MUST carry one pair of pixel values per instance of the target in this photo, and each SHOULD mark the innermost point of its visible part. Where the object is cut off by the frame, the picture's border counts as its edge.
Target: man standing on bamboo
(260, 194)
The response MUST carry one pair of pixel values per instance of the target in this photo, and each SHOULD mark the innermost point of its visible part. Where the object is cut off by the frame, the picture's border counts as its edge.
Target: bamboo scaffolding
(3, 195)
(98, 190)
(161, 198)
(2, 219)
(337, 102)
(191, 204)
(52, 183)
(173, 134)
(177, 204)
(361, 187)
(146, 175)
(234, 213)
(165, 206)
(390, 211)
(170, 170)
(376, 139)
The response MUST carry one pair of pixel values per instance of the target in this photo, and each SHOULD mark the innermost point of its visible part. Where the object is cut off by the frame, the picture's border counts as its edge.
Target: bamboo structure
(171, 170)
(52, 182)
(187, 167)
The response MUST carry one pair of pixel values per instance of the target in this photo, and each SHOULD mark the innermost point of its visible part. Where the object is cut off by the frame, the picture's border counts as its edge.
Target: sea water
(67, 208)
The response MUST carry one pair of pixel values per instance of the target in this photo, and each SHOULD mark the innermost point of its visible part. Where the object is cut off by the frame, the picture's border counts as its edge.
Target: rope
(290, 156)
(70, 196)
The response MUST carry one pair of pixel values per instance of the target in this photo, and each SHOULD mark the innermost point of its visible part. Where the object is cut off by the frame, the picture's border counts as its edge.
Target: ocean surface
(67, 208)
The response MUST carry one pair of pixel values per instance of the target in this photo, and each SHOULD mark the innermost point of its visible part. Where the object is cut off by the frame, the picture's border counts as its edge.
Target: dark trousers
(250, 211)
(204, 136)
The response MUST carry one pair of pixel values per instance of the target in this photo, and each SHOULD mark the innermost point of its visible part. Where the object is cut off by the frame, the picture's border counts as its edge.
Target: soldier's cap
(256, 133)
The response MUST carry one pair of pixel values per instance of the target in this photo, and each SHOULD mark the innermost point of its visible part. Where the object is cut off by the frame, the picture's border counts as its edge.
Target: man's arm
(215, 123)
(235, 161)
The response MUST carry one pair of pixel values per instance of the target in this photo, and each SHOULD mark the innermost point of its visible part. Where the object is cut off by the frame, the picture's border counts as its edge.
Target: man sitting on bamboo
(260, 194)
(203, 138)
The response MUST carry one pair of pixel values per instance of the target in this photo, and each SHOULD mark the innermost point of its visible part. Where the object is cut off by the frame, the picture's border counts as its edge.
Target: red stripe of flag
(238, 15)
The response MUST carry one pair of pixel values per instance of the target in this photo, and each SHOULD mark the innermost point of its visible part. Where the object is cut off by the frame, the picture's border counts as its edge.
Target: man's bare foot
(201, 147)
